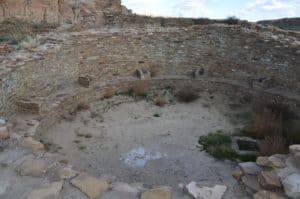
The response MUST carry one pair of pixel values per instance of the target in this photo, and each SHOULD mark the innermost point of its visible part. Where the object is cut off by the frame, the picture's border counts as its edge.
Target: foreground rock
(292, 185)
(92, 187)
(4, 133)
(159, 193)
(267, 195)
(50, 192)
(34, 167)
(201, 192)
(250, 168)
(269, 180)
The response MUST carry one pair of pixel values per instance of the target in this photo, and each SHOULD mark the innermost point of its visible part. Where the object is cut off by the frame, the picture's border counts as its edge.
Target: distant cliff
(285, 24)
(57, 11)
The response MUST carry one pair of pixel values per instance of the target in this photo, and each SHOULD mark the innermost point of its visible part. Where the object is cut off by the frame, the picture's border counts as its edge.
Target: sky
(251, 10)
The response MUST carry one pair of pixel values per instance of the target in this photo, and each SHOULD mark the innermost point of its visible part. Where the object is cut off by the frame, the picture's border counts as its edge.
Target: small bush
(187, 94)
(160, 101)
(82, 107)
(109, 93)
(153, 71)
(273, 145)
(218, 145)
(232, 20)
(140, 89)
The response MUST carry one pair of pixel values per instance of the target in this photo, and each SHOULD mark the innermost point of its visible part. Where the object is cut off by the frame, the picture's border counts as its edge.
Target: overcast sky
(251, 10)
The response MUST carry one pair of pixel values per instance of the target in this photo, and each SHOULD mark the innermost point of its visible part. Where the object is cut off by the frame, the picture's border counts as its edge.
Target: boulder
(197, 191)
(250, 168)
(291, 185)
(263, 161)
(4, 133)
(269, 180)
(278, 160)
(158, 193)
(251, 183)
(91, 186)
(267, 195)
(51, 191)
(238, 175)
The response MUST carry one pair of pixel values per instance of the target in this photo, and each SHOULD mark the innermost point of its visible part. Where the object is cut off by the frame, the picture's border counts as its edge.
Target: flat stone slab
(158, 193)
(267, 195)
(51, 191)
(198, 191)
(263, 161)
(269, 180)
(91, 186)
(250, 168)
(33, 167)
(33, 144)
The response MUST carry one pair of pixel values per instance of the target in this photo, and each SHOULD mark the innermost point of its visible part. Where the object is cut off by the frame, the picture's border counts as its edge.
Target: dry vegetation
(140, 89)
(160, 101)
(187, 94)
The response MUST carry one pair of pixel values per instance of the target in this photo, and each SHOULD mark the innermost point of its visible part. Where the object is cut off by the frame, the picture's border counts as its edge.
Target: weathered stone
(4, 133)
(198, 191)
(125, 190)
(92, 187)
(34, 167)
(250, 168)
(51, 191)
(66, 173)
(278, 161)
(251, 182)
(238, 175)
(85, 81)
(267, 195)
(269, 180)
(159, 193)
(142, 74)
(263, 161)
(33, 144)
(28, 106)
(291, 185)
(294, 149)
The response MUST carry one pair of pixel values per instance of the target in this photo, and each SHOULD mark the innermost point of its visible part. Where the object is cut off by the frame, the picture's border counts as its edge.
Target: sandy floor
(140, 142)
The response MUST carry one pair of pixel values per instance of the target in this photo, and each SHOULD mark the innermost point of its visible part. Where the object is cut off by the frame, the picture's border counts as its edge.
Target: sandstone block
(159, 193)
(263, 161)
(250, 168)
(267, 195)
(4, 133)
(198, 191)
(269, 180)
(33, 144)
(34, 167)
(91, 186)
(51, 191)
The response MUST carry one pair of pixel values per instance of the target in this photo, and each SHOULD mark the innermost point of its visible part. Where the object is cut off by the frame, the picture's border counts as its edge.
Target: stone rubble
(278, 173)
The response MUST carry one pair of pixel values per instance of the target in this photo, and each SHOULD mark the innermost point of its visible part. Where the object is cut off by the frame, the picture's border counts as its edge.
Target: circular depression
(137, 141)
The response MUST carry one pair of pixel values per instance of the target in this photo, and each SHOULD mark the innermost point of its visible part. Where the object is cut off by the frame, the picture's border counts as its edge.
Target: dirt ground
(137, 141)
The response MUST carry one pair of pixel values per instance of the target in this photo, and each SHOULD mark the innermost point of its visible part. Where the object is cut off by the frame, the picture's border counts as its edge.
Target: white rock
(2, 122)
(295, 149)
(292, 185)
(202, 192)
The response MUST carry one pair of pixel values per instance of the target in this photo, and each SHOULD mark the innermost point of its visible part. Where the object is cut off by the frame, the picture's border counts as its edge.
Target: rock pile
(274, 177)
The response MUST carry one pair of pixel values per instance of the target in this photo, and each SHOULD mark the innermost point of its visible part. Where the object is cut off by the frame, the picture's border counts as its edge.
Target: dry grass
(109, 92)
(140, 89)
(160, 101)
(153, 71)
(267, 123)
(187, 94)
(82, 107)
(271, 145)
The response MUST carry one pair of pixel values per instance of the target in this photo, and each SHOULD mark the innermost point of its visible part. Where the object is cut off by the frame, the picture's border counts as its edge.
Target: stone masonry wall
(260, 59)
